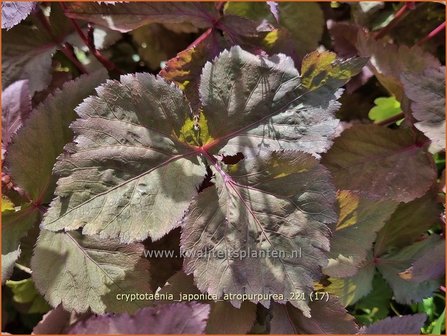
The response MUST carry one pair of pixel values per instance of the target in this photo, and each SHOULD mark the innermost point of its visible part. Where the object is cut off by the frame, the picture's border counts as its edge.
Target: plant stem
(64, 47)
(400, 14)
(109, 65)
(391, 120)
(432, 34)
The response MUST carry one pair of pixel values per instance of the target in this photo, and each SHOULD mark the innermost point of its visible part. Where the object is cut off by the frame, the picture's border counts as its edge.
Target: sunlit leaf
(281, 202)
(127, 165)
(85, 272)
(13, 12)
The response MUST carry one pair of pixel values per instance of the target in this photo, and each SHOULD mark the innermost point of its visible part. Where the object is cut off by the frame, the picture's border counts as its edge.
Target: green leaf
(15, 225)
(386, 107)
(377, 302)
(408, 223)
(392, 264)
(7, 205)
(282, 202)
(24, 292)
(125, 17)
(359, 221)
(328, 317)
(85, 272)
(427, 93)
(370, 160)
(439, 325)
(259, 104)
(128, 165)
(42, 138)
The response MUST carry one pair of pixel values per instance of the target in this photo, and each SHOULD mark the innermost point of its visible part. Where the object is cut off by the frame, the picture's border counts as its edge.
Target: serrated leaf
(377, 302)
(38, 143)
(13, 12)
(430, 265)
(15, 225)
(178, 318)
(427, 93)
(259, 104)
(16, 107)
(27, 50)
(399, 325)
(128, 165)
(350, 290)
(283, 202)
(369, 160)
(386, 107)
(408, 223)
(327, 318)
(390, 265)
(125, 17)
(24, 292)
(359, 221)
(85, 272)
(389, 61)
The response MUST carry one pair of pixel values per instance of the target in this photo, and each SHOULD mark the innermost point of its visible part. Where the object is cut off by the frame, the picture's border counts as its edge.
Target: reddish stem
(109, 65)
(400, 14)
(64, 47)
(200, 38)
(432, 34)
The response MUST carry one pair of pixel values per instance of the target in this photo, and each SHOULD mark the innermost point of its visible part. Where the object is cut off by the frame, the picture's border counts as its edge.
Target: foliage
(182, 167)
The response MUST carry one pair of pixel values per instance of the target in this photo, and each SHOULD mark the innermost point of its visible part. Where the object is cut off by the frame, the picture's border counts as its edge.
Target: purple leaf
(53, 322)
(427, 93)
(178, 318)
(430, 265)
(326, 318)
(408, 324)
(14, 12)
(125, 17)
(16, 107)
(369, 160)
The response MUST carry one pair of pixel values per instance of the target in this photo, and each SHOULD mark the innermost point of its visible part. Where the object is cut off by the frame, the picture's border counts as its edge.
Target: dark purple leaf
(178, 318)
(408, 324)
